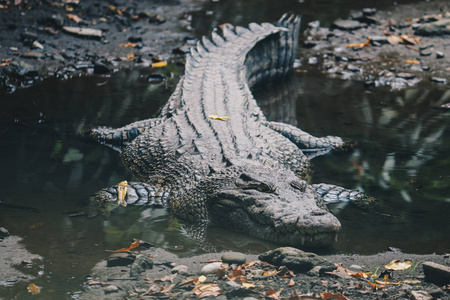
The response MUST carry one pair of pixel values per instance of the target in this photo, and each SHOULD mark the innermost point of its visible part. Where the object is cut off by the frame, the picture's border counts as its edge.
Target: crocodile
(213, 158)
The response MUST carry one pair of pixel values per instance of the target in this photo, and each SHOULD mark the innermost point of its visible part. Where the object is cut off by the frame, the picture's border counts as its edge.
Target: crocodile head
(275, 206)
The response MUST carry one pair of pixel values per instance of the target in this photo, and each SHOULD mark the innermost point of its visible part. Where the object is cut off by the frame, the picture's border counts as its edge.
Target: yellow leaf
(133, 245)
(410, 61)
(75, 18)
(159, 64)
(387, 282)
(359, 45)
(248, 285)
(128, 45)
(270, 273)
(398, 265)
(216, 117)
(33, 289)
(130, 56)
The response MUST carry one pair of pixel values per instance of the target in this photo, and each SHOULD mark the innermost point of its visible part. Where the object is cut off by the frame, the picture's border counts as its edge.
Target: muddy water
(400, 157)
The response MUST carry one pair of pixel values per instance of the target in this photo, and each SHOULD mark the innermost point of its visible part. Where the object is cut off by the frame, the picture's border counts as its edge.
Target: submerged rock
(233, 258)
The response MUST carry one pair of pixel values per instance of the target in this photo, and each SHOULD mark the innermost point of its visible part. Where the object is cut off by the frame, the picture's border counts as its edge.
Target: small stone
(355, 267)
(28, 37)
(347, 24)
(135, 39)
(100, 69)
(56, 20)
(181, 50)
(3, 232)
(180, 269)
(156, 19)
(424, 47)
(379, 39)
(142, 263)
(210, 268)
(312, 60)
(425, 53)
(439, 54)
(297, 64)
(20, 68)
(111, 289)
(406, 76)
(438, 80)
(155, 78)
(233, 258)
(369, 11)
(425, 68)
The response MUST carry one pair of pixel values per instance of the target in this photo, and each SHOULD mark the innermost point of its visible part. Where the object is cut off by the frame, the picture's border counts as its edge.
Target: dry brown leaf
(410, 61)
(75, 18)
(272, 294)
(222, 270)
(212, 260)
(130, 56)
(271, 273)
(159, 64)
(249, 264)
(207, 289)
(398, 265)
(359, 45)
(167, 278)
(93, 282)
(248, 285)
(133, 245)
(328, 295)
(408, 39)
(237, 271)
(33, 289)
(128, 45)
(296, 296)
(394, 39)
(376, 286)
(290, 283)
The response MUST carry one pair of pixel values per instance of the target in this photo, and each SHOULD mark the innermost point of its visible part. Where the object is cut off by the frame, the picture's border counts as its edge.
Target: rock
(347, 24)
(379, 39)
(3, 232)
(56, 20)
(156, 78)
(439, 27)
(100, 69)
(28, 37)
(425, 53)
(233, 258)
(210, 268)
(111, 289)
(369, 11)
(294, 259)
(120, 259)
(156, 19)
(438, 80)
(180, 269)
(181, 50)
(20, 68)
(83, 32)
(142, 263)
(406, 76)
(440, 54)
(135, 39)
(436, 273)
(313, 60)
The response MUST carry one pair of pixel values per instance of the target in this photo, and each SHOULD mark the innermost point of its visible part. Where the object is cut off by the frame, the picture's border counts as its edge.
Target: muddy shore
(162, 32)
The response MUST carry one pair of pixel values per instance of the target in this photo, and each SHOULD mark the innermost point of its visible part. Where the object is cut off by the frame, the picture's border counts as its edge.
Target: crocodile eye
(266, 187)
(299, 185)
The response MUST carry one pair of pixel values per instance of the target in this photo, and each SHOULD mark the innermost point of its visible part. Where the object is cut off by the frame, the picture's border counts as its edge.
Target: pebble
(3, 232)
(233, 258)
(111, 289)
(439, 54)
(210, 268)
(180, 269)
(100, 69)
(406, 75)
(347, 24)
(438, 80)
(120, 259)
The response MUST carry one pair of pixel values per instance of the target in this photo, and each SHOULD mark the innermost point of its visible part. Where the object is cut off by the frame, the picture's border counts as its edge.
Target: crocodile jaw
(287, 216)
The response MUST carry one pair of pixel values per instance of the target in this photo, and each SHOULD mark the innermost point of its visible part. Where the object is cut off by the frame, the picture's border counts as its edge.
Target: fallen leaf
(328, 295)
(272, 294)
(290, 283)
(133, 245)
(394, 39)
(93, 282)
(207, 289)
(410, 61)
(296, 296)
(222, 270)
(212, 260)
(200, 279)
(408, 39)
(359, 45)
(237, 271)
(216, 117)
(159, 64)
(376, 286)
(128, 45)
(167, 278)
(398, 265)
(386, 282)
(33, 289)
(130, 56)
(249, 264)
(248, 285)
(75, 18)
(271, 273)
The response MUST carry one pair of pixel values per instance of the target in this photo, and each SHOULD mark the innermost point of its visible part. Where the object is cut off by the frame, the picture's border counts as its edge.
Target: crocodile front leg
(123, 135)
(305, 141)
(127, 193)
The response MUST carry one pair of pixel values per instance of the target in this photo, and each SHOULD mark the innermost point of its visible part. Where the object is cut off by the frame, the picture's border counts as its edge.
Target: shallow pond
(400, 157)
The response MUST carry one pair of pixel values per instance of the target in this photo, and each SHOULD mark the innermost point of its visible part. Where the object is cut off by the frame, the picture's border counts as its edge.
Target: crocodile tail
(272, 58)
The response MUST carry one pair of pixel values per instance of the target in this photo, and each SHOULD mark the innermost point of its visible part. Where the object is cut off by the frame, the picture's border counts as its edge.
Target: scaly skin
(239, 173)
